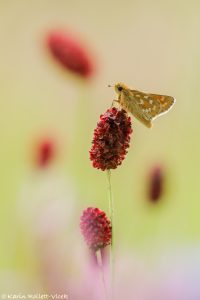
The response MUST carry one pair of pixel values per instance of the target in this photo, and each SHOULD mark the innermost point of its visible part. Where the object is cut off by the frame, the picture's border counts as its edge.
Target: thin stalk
(111, 214)
(100, 264)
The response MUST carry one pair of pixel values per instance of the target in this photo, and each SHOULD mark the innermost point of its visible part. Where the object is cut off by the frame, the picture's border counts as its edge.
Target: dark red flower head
(96, 228)
(70, 53)
(156, 182)
(111, 139)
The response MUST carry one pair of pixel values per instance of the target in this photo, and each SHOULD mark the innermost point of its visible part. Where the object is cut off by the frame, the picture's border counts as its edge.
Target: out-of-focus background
(151, 46)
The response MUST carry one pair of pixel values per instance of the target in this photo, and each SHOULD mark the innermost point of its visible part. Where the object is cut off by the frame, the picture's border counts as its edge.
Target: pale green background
(150, 45)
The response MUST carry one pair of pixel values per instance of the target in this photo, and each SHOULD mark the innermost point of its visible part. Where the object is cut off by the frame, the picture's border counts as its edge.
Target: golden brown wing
(165, 101)
(152, 105)
(148, 106)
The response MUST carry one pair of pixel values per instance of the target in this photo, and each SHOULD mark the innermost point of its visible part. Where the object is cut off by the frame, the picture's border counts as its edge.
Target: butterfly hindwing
(153, 105)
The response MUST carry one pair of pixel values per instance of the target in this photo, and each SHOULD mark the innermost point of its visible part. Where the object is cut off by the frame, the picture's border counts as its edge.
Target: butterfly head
(120, 87)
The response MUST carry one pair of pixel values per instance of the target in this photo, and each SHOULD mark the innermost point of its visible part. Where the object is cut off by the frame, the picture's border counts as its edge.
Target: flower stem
(111, 213)
(101, 267)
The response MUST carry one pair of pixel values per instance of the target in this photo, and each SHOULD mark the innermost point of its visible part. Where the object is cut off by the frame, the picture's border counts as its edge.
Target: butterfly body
(145, 107)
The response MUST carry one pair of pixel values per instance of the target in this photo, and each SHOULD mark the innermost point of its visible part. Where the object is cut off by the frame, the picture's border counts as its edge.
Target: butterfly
(144, 106)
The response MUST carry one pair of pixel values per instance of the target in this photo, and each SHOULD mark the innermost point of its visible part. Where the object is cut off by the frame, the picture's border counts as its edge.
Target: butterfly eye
(120, 88)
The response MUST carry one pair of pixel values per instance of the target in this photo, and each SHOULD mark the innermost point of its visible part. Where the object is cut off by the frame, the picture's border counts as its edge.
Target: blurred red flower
(96, 228)
(111, 139)
(156, 182)
(45, 152)
(70, 53)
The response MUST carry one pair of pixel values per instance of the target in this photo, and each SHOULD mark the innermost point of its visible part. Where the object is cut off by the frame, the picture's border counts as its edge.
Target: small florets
(96, 228)
(111, 139)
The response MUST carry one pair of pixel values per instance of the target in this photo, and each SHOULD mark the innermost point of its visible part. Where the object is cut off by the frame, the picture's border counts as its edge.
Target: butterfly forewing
(152, 105)
(148, 105)
(166, 102)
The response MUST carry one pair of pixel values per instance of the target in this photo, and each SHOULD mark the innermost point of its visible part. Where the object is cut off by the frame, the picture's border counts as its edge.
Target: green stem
(111, 213)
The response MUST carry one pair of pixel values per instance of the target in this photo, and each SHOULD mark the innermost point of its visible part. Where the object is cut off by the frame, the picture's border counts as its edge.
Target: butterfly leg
(113, 102)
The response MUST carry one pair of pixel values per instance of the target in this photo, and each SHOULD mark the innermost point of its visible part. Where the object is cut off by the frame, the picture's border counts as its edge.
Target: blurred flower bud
(70, 53)
(45, 152)
(156, 182)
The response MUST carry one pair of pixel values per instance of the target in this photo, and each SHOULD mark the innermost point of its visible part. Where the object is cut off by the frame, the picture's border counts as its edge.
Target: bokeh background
(152, 46)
